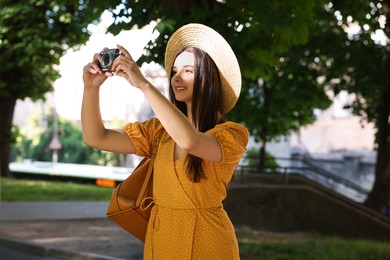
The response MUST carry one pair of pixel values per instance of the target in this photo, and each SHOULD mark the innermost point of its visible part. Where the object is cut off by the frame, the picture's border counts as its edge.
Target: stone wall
(278, 204)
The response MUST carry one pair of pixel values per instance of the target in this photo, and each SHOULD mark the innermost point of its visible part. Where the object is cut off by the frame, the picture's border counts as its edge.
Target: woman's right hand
(92, 74)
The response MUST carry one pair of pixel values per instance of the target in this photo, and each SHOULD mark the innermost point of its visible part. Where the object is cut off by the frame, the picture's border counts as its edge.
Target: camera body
(108, 57)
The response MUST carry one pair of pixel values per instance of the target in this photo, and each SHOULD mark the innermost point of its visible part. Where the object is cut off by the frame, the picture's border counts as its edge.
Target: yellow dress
(188, 220)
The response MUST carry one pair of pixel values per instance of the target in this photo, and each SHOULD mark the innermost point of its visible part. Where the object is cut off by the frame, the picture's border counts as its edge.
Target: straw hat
(210, 41)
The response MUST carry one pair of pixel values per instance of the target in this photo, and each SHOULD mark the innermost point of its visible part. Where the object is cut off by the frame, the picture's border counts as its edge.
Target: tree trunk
(262, 154)
(263, 135)
(7, 106)
(380, 194)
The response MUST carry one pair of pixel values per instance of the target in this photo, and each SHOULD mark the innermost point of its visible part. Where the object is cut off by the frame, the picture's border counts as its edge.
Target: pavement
(15, 249)
(52, 210)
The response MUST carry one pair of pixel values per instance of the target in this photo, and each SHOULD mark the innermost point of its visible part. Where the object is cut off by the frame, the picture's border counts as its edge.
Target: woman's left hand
(126, 67)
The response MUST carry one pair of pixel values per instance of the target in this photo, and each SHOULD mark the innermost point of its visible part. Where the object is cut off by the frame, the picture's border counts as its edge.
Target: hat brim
(210, 41)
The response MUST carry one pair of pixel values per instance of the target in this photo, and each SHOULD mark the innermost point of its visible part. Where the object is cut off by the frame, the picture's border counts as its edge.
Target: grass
(39, 190)
(254, 244)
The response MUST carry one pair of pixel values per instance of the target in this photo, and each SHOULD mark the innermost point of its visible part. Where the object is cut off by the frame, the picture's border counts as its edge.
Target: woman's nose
(177, 76)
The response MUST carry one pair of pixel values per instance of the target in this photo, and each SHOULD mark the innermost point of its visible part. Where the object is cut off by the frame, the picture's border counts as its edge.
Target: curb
(37, 250)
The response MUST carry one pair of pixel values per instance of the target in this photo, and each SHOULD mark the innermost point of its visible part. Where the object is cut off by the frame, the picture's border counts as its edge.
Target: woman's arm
(180, 128)
(94, 132)
(175, 123)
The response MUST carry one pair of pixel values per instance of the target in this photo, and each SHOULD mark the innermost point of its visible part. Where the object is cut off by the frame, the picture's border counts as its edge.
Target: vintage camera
(108, 57)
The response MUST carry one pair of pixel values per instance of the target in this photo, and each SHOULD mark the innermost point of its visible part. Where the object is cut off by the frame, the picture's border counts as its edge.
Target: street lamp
(55, 143)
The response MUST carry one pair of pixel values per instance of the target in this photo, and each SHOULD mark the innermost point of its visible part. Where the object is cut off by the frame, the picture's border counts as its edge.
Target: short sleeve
(233, 139)
(142, 135)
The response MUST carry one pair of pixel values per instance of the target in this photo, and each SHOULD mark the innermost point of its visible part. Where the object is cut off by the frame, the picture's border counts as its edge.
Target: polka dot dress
(188, 220)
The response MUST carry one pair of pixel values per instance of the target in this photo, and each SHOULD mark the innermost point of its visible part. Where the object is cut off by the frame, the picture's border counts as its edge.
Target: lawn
(39, 190)
(255, 244)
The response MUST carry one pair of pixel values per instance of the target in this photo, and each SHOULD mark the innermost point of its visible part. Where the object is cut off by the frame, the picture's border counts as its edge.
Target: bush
(36, 145)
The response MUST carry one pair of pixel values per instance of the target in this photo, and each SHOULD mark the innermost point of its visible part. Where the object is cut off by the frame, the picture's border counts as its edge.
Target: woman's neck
(189, 114)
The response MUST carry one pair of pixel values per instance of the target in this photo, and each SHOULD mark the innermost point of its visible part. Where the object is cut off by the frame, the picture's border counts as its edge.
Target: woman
(198, 150)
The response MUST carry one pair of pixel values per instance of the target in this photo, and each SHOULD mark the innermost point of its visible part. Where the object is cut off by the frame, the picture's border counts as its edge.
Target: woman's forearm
(91, 120)
(94, 132)
(174, 121)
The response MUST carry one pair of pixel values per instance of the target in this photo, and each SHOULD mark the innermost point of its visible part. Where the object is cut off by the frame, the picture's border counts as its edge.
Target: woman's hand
(92, 74)
(127, 68)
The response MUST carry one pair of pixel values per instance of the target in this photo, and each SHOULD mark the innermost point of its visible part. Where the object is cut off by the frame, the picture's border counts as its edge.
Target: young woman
(198, 149)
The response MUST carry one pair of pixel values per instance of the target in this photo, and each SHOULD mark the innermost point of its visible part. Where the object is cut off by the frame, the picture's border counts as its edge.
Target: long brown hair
(206, 103)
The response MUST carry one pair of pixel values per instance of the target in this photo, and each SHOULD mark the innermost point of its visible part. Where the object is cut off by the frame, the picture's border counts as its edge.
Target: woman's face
(182, 80)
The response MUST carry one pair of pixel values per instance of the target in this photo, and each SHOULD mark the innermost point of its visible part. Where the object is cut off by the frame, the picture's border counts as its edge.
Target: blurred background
(315, 98)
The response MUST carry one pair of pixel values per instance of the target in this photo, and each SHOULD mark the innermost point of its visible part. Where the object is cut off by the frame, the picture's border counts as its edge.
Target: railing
(308, 170)
(337, 183)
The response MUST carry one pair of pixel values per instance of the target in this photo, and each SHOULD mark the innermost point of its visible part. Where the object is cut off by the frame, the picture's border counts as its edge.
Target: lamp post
(55, 143)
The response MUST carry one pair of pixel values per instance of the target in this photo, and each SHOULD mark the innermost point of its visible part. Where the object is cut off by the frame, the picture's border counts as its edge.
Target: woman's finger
(95, 68)
(97, 57)
(124, 51)
(89, 68)
(120, 70)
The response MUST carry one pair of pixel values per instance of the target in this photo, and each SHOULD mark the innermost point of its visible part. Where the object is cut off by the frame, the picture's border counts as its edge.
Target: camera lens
(106, 60)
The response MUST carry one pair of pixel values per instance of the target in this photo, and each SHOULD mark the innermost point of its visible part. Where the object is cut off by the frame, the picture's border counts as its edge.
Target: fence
(308, 169)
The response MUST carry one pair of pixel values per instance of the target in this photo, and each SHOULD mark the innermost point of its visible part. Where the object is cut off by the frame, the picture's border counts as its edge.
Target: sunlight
(118, 98)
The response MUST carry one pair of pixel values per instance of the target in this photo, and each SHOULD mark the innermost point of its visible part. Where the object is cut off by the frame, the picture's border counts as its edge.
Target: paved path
(14, 249)
(51, 210)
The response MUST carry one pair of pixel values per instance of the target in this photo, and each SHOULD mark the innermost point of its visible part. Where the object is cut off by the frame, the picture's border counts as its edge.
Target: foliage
(36, 146)
(257, 30)
(33, 36)
(353, 62)
(290, 53)
(276, 106)
(283, 48)
(251, 160)
(359, 63)
(261, 33)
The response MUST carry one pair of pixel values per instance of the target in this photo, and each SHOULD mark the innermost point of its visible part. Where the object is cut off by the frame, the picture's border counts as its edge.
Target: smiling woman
(183, 77)
(198, 149)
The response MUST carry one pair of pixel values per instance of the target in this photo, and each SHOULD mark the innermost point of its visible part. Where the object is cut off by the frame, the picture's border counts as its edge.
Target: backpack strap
(145, 185)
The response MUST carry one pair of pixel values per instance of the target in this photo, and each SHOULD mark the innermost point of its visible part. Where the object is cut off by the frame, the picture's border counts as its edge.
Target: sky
(117, 96)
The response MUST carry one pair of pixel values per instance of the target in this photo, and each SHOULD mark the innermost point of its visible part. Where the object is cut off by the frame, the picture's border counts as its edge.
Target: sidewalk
(14, 211)
(11, 212)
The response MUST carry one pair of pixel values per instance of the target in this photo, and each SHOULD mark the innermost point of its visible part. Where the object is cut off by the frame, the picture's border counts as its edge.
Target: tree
(361, 65)
(33, 37)
(283, 49)
(356, 63)
(285, 102)
(260, 32)
(36, 145)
